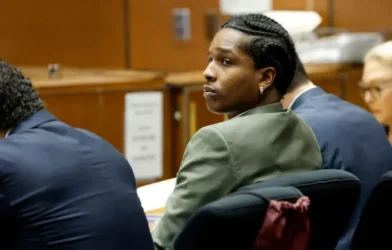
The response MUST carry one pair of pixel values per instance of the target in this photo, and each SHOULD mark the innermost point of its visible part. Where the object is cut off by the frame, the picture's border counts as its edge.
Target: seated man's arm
(8, 219)
(206, 174)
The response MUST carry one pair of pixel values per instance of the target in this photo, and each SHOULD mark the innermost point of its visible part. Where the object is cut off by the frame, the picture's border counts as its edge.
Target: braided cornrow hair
(270, 46)
(18, 98)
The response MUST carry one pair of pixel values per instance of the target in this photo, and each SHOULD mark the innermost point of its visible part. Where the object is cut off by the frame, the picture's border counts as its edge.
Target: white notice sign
(238, 7)
(143, 133)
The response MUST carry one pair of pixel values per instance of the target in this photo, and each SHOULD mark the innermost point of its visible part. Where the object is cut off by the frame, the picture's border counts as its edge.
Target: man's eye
(226, 62)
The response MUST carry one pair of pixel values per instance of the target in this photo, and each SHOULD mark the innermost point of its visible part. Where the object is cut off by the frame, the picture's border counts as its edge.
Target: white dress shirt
(8, 132)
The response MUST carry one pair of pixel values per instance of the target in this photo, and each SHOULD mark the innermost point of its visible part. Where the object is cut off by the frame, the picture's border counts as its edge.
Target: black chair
(333, 195)
(231, 222)
(373, 230)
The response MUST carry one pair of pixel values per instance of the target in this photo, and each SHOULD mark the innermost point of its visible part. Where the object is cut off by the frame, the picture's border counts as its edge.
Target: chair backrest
(373, 230)
(231, 222)
(333, 195)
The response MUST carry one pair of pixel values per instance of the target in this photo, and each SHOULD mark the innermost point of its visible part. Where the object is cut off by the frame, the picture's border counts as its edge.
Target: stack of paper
(154, 196)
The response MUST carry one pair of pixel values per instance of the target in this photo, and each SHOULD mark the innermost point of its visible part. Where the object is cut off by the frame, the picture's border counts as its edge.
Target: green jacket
(260, 144)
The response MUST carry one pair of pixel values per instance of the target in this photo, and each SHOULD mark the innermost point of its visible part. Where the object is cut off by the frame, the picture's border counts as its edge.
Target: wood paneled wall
(116, 33)
(152, 37)
(355, 15)
(363, 15)
(77, 33)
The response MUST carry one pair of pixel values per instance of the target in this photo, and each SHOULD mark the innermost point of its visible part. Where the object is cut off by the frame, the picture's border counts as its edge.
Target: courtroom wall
(355, 15)
(74, 33)
(139, 33)
(152, 35)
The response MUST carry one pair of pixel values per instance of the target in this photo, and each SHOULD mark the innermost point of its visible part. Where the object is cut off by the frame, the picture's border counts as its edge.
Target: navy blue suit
(65, 188)
(350, 139)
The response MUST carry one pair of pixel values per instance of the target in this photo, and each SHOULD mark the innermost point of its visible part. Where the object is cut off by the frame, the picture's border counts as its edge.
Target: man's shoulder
(331, 108)
(252, 127)
(57, 134)
(10, 152)
(334, 120)
(256, 120)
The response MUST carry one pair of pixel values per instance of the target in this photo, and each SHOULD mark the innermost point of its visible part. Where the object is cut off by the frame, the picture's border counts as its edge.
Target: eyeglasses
(375, 91)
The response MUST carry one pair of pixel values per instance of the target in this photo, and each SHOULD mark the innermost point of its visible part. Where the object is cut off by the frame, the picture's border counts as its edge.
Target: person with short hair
(61, 187)
(376, 84)
(349, 137)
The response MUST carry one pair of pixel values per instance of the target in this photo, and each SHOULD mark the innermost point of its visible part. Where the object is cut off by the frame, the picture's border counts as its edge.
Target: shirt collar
(298, 95)
(8, 132)
(270, 108)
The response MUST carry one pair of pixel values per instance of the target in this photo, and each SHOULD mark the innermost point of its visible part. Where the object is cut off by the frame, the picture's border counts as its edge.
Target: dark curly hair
(270, 45)
(18, 98)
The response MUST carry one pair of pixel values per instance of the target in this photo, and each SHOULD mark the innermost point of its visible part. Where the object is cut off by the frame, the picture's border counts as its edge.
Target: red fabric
(285, 226)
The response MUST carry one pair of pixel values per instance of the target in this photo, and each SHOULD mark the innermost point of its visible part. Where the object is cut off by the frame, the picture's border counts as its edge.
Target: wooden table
(158, 211)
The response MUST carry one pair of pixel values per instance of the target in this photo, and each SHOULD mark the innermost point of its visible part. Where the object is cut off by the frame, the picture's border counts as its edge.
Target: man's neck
(389, 131)
(3, 134)
(273, 97)
(390, 138)
(288, 98)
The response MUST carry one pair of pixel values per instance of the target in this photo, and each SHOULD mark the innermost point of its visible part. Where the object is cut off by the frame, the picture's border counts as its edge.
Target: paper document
(296, 22)
(238, 7)
(155, 195)
(143, 133)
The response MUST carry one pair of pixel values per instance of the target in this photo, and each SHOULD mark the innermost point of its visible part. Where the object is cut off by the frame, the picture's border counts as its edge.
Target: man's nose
(209, 74)
(368, 97)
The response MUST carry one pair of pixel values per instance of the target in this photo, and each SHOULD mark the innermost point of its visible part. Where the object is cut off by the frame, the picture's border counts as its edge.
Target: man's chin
(215, 110)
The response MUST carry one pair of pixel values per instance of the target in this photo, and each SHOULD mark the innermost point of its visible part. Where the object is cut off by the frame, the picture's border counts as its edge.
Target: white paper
(237, 7)
(296, 22)
(155, 195)
(143, 133)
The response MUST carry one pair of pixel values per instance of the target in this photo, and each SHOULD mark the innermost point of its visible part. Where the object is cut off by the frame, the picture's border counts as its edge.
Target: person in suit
(61, 187)
(349, 137)
(251, 62)
(376, 84)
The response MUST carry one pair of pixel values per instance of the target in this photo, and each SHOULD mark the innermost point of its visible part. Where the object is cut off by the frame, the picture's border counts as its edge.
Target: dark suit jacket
(65, 188)
(350, 139)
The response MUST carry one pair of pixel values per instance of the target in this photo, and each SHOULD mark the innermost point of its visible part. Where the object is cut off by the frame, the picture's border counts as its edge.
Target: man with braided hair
(251, 62)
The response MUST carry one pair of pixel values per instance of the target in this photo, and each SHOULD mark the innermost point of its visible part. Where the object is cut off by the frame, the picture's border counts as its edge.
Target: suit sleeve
(7, 215)
(206, 174)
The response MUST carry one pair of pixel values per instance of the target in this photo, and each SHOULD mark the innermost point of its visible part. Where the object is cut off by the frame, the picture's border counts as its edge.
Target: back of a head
(270, 46)
(18, 98)
(300, 77)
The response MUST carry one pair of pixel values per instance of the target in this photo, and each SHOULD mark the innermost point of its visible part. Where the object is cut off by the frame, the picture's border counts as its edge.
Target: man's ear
(267, 77)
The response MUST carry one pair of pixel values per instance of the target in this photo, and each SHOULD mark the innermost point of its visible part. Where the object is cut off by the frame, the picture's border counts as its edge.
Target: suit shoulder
(334, 110)
(9, 152)
(262, 119)
(256, 123)
(88, 133)
(209, 134)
